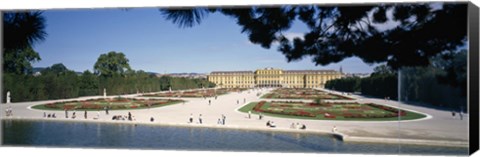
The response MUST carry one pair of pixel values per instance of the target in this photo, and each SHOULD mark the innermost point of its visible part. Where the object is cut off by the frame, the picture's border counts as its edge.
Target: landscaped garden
(330, 111)
(302, 93)
(196, 93)
(112, 104)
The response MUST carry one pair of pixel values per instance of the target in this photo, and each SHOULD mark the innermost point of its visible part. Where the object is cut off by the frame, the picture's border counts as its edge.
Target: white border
(63, 4)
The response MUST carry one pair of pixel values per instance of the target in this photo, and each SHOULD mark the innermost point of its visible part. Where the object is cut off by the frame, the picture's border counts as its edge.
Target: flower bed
(113, 104)
(295, 93)
(333, 111)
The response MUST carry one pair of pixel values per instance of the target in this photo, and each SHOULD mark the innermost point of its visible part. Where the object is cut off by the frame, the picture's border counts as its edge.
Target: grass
(409, 116)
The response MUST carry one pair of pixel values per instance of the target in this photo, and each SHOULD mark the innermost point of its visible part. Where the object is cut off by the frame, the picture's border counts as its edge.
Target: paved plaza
(438, 126)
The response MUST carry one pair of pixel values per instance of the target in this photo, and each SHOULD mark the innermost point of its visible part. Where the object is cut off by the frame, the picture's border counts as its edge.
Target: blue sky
(78, 37)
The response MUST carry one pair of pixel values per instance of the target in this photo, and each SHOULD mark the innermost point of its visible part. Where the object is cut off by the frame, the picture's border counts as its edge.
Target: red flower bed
(51, 106)
(297, 113)
(390, 109)
(258, 107)
(119, 100)
(303, 113)
(88, 105)
(68, 107)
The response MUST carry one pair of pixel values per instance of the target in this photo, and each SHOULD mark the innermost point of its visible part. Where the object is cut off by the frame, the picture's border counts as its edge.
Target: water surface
(106, 135)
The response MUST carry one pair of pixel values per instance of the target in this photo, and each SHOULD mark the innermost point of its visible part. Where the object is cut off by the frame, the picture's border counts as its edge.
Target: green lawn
(409, 115)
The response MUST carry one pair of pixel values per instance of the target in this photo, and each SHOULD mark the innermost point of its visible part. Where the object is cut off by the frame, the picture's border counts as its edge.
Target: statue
(104, 93)
(8, 97)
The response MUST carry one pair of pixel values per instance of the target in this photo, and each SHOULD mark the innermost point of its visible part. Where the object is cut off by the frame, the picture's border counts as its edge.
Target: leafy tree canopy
(58, 69)
(21, 31)
(112, 63)
(19, 61)
(418, 31)
(382, 70)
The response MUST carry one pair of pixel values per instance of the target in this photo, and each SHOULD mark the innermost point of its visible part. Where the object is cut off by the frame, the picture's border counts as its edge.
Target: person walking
(106, 110)
(191, 118)
(249, 113)
(200, 118)
(66, 113)
(223, 119)
(85, 114)
(10, 111)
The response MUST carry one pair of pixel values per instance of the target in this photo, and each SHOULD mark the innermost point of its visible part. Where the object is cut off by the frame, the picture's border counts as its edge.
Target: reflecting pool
(106, 135)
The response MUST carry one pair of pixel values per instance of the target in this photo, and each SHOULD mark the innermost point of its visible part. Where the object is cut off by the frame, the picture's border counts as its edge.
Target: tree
(382, 70)
(57, 69)
(339, 32)
(60, 82)
(19, 61)
(88, 84)
(455, 66)
(112, 63)
(21, 31)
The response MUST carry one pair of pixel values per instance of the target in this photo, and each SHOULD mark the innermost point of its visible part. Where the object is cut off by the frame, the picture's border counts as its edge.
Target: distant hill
(38, 69)
(152, 73)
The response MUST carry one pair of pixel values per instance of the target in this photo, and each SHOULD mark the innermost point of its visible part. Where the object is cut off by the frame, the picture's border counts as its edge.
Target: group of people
(459, 114)
(221, 120)
(271, 124)
(49, 115)
(249, 115)
(74, 115)
(244, 101)
(210, 100)
(9, 111)
(128, 117)
(200, 120)
(298, 126)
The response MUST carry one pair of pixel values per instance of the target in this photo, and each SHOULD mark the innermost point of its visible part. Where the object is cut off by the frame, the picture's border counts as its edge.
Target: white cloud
(291, 35)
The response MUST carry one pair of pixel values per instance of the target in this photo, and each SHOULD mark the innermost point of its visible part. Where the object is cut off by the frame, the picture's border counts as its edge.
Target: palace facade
(270, 77)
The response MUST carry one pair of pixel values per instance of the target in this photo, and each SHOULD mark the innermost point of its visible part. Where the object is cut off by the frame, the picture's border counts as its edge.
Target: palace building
(270, 77)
